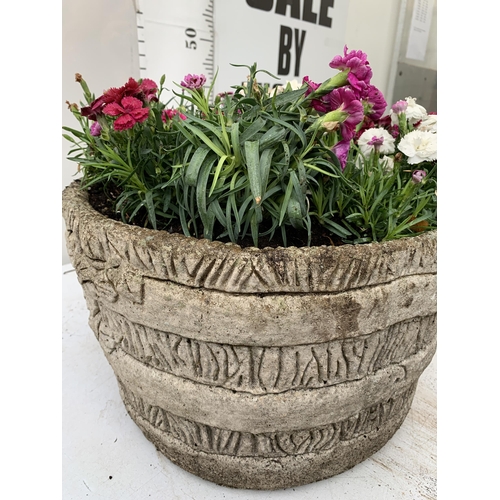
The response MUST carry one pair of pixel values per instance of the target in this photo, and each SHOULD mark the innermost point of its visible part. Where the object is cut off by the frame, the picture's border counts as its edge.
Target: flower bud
(339, 80)
(399, 107)
(418, 176)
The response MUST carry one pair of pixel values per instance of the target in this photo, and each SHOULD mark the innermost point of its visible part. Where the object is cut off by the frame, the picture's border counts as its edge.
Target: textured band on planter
(260, 369)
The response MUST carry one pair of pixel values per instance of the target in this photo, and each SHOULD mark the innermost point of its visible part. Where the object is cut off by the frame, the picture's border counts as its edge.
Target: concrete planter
(260, 369)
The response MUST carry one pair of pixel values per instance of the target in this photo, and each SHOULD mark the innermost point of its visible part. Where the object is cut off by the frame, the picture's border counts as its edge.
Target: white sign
(419, 29)
(289, 38)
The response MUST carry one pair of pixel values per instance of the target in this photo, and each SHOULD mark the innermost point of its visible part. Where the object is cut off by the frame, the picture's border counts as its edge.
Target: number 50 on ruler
(175, 38)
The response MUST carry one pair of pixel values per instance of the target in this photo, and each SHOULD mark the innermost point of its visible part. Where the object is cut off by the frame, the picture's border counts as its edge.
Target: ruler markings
(194, 29)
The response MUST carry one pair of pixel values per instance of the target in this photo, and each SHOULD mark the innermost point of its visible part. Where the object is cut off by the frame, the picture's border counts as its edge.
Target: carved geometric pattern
(261, 370)
(209, 439)
(214, 265)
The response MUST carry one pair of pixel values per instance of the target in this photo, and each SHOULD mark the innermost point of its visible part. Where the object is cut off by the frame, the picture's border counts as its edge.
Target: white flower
(289, 85)
(294, 84)
(414, 112)
(388, 163)
(419, 146)
(376, 139)
(275, 90)
(429, 124)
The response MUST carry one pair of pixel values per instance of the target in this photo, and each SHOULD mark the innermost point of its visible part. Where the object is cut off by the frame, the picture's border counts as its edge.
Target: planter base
(347, 446)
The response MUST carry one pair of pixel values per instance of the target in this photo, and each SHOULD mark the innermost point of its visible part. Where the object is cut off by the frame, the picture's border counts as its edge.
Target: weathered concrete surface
(253, 368)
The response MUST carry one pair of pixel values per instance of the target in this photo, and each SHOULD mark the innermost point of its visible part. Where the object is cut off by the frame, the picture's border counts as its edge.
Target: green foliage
(252, 164)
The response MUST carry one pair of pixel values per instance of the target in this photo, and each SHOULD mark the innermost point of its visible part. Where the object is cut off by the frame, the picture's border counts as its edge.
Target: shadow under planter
(259, 369)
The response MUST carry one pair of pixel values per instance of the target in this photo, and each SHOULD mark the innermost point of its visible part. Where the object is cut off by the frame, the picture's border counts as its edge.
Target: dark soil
(102, 201)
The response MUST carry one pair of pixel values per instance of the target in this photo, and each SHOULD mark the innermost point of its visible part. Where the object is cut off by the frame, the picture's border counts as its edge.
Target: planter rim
(74, 192)
(229, 267)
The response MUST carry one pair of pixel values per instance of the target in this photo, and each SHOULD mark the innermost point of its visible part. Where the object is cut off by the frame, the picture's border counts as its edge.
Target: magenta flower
(129, 112)
(418, 176)
(345, 99)
(312, 85)
(376, 142)
(341, 150)
(321, 105)
(95, 129)
(399, 107)
(374, 101)
(356, 62)
(168, 114)
(193, 82)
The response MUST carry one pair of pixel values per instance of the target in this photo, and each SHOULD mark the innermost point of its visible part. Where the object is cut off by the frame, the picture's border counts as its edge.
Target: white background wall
(99, 41)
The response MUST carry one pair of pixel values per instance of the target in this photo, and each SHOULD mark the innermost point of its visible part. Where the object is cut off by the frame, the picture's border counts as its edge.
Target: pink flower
(193, 82)
(129, 112)
(345, 99)
(95, 129)
(168, 114)
(148, 89)
(399, 107)
(341, 150)
(418, 176)
(356, 62)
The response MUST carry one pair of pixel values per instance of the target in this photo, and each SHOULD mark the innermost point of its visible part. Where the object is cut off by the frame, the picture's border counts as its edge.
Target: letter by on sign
(284, 56)
(299, 44)
(324, 20)
(281, 6)
(266, 5)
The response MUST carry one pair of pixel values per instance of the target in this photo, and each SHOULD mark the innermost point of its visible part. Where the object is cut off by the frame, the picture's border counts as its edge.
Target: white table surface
(105, 455)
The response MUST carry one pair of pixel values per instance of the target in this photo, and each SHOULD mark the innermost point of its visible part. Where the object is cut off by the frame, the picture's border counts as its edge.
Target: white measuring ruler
(175, 38)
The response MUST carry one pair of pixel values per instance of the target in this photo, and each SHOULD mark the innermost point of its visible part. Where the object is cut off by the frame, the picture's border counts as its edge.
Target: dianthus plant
(259, 161)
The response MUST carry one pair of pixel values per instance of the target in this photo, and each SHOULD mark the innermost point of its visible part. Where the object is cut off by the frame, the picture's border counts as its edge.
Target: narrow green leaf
(235, 139)
(294, 211)
(299, 192)
(253, 129)
(216, 148)
(288, 97)
(193, 168)
(265, 166)
(217, 173)
(253, 165)
(297, 131)
(201, 195)
(335, 228)
(254, 225)
(286, 199)
(150, 206)
(274, 135)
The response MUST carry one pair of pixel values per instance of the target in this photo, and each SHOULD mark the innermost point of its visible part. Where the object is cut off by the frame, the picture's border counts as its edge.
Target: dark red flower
(129, 112)
(145, 91)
